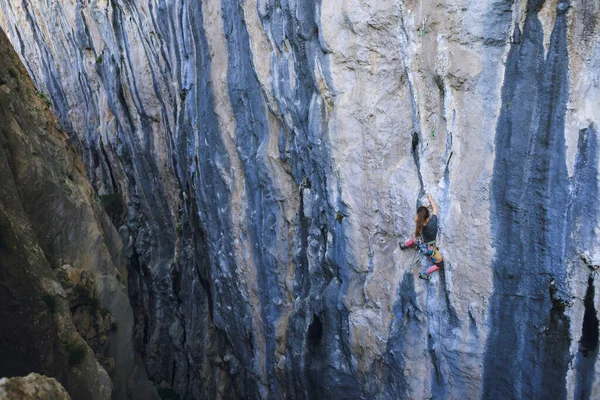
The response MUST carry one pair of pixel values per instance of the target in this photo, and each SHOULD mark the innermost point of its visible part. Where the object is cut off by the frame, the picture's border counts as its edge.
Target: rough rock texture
(32, 387)
(262, 159)
(51, 218)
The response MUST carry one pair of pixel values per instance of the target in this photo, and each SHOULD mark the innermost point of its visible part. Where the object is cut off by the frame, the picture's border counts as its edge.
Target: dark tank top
(430, 230)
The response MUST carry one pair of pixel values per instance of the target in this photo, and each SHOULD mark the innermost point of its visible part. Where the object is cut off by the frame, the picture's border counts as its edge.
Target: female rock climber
(425, 235)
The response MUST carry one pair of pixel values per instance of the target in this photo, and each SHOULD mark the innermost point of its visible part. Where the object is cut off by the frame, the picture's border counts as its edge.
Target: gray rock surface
(263, 158)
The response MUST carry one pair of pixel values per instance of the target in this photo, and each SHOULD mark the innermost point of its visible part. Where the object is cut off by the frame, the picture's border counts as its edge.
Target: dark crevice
(587, 356)
(473, 326)
(415, 146)
(302, 280)
(437, 383)
(582, 221)
(589, 331)
(173, 372)
(314, 365)
(141, 296)
(200, 240)
(415, 153)
(439, 81)
(315, 331)
(450, 312)
(115, 186)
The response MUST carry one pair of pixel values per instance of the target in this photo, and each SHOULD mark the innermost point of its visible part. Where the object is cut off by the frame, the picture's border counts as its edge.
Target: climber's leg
(407, 244)
(427, 274)
(432, 269)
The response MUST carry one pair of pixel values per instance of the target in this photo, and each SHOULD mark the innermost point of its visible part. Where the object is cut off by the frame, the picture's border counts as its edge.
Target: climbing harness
(430, 249)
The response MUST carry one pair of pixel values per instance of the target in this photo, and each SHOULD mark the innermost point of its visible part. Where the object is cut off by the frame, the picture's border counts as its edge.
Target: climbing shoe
(424, 276)
(403, 246)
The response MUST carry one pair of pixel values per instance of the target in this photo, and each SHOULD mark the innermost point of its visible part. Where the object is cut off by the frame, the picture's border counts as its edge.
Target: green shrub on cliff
(44, 98)
(50, 301)
(77, 350)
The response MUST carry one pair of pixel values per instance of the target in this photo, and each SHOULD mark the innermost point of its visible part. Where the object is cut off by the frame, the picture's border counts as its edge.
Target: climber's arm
(434, 208)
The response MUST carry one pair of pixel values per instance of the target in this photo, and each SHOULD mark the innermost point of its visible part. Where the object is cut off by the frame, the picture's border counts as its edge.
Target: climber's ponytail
(422, 215)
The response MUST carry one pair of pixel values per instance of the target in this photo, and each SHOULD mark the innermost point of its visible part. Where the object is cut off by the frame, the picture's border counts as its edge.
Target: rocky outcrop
(32, 387)
(93, 322)
(263, 158)
(50, 221)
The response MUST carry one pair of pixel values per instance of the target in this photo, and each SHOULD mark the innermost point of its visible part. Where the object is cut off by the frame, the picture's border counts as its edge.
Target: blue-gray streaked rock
(529, 203)
(268, 155)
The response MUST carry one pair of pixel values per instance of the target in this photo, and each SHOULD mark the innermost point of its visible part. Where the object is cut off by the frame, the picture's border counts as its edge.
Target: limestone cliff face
(263, 158)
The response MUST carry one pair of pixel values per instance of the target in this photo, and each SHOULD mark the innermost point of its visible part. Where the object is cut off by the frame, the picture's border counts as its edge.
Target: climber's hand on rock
(434, 208)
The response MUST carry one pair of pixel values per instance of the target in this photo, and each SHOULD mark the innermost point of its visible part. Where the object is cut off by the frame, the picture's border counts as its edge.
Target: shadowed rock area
(254, 165)
(53, 231)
